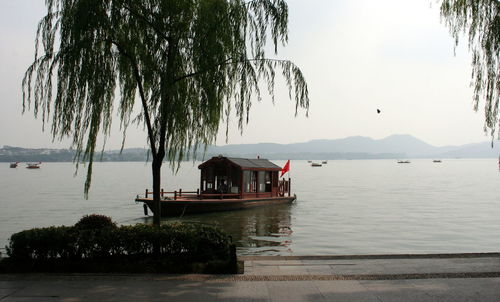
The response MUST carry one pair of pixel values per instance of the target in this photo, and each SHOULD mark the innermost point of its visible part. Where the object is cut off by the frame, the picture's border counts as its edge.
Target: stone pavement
(460, 277)
(376, 266)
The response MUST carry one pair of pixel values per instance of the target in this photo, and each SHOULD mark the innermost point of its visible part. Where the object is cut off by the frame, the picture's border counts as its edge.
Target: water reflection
(259, 231)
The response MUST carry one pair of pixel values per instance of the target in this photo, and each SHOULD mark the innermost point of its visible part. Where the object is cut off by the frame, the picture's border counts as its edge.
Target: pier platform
(436, 277)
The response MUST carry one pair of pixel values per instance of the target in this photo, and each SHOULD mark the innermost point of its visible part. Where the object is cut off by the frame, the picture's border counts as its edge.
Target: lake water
(344, 207)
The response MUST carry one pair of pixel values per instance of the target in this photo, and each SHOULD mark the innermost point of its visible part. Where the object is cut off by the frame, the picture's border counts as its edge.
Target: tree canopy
(190, 63)
(480, 21)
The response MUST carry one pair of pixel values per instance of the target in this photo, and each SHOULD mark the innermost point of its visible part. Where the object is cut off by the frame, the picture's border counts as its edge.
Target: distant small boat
(436, 161)
(403, 162)
(324, 162)
(14, 165)
(309, 161)
(33, 165)
(315, 165)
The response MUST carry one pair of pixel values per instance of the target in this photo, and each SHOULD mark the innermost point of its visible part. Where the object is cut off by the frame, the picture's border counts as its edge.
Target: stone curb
(365, 257)
(243, 278)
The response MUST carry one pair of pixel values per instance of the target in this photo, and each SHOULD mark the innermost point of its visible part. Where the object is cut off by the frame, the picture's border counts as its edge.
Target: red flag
(286, 168)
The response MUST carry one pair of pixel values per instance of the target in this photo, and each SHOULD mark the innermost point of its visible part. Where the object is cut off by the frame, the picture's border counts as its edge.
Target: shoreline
(322, 267)
(374, 256)
(381, 278)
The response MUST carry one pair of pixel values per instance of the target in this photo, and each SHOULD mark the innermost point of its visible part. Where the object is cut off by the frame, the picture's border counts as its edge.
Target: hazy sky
(357, 57)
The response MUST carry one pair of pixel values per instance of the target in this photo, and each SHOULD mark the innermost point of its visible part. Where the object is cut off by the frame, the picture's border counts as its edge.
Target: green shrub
(176, 247)
(43, 244)
(95, 222)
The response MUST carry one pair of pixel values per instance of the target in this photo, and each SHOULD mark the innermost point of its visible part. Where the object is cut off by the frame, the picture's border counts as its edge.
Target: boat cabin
(229, 177)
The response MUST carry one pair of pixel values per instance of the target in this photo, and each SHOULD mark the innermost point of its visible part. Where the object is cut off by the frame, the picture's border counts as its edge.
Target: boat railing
(219, 195)
(174, 194)
(284, 187)
(180, 194)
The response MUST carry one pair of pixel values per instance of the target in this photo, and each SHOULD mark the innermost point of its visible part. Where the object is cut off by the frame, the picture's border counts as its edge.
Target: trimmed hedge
(172, 248)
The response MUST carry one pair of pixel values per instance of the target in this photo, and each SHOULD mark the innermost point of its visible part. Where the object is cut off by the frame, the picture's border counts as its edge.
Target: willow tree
(480, 21)
(190, 63)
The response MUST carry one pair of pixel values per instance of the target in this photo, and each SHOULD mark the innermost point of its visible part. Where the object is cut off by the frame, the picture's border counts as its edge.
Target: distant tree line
(13, 154)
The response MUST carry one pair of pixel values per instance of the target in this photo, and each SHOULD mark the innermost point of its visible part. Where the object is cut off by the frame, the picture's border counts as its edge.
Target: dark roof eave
(246, 163)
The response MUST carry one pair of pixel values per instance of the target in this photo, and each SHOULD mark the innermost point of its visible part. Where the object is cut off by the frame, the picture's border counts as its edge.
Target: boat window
(262, 181)
(250, 181)
(253, 181)
(246, 181)
(275, 179)
(222, 184)
(268, 181)
(234, 182)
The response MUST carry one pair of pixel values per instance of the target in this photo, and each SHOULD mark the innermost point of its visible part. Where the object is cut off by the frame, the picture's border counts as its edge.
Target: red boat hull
(196, 206)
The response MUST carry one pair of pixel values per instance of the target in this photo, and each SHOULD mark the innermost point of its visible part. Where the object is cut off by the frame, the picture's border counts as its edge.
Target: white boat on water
(33, 165)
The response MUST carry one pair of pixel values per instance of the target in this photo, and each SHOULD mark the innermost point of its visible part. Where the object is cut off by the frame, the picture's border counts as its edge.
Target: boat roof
(245, 163)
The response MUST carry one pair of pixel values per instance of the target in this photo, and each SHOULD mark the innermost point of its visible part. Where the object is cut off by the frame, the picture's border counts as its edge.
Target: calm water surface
(344, 207)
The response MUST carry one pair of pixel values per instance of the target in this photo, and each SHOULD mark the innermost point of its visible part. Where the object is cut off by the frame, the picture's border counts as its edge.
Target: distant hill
(354, 147)
(359, 147)
(482, 150)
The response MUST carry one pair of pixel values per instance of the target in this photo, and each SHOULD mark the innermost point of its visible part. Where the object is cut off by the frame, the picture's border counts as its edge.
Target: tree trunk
(166, 83)
(156, 169)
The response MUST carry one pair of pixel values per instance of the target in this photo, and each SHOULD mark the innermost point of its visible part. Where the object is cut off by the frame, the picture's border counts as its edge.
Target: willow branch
(225, 62)
(137, 77)
(143, 18)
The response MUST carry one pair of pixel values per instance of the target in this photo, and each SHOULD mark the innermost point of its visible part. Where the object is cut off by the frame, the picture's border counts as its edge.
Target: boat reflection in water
(257, 231)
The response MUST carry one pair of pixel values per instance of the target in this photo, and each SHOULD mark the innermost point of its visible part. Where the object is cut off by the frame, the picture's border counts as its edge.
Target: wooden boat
(14, 165)
(33, 165)
(316, 165)
(226, 184)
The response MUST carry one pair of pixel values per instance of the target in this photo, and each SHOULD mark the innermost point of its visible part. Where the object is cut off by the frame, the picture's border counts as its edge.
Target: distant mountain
(358, 147)
(354, 147)
(481, 150)
(395, 144)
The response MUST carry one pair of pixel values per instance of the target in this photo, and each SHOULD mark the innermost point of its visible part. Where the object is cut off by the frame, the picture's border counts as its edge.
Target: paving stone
(396, 291)
(4, 292)
(243, 292)
(458, 290)
(265, 271)
(291, 291)
(348, 291)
